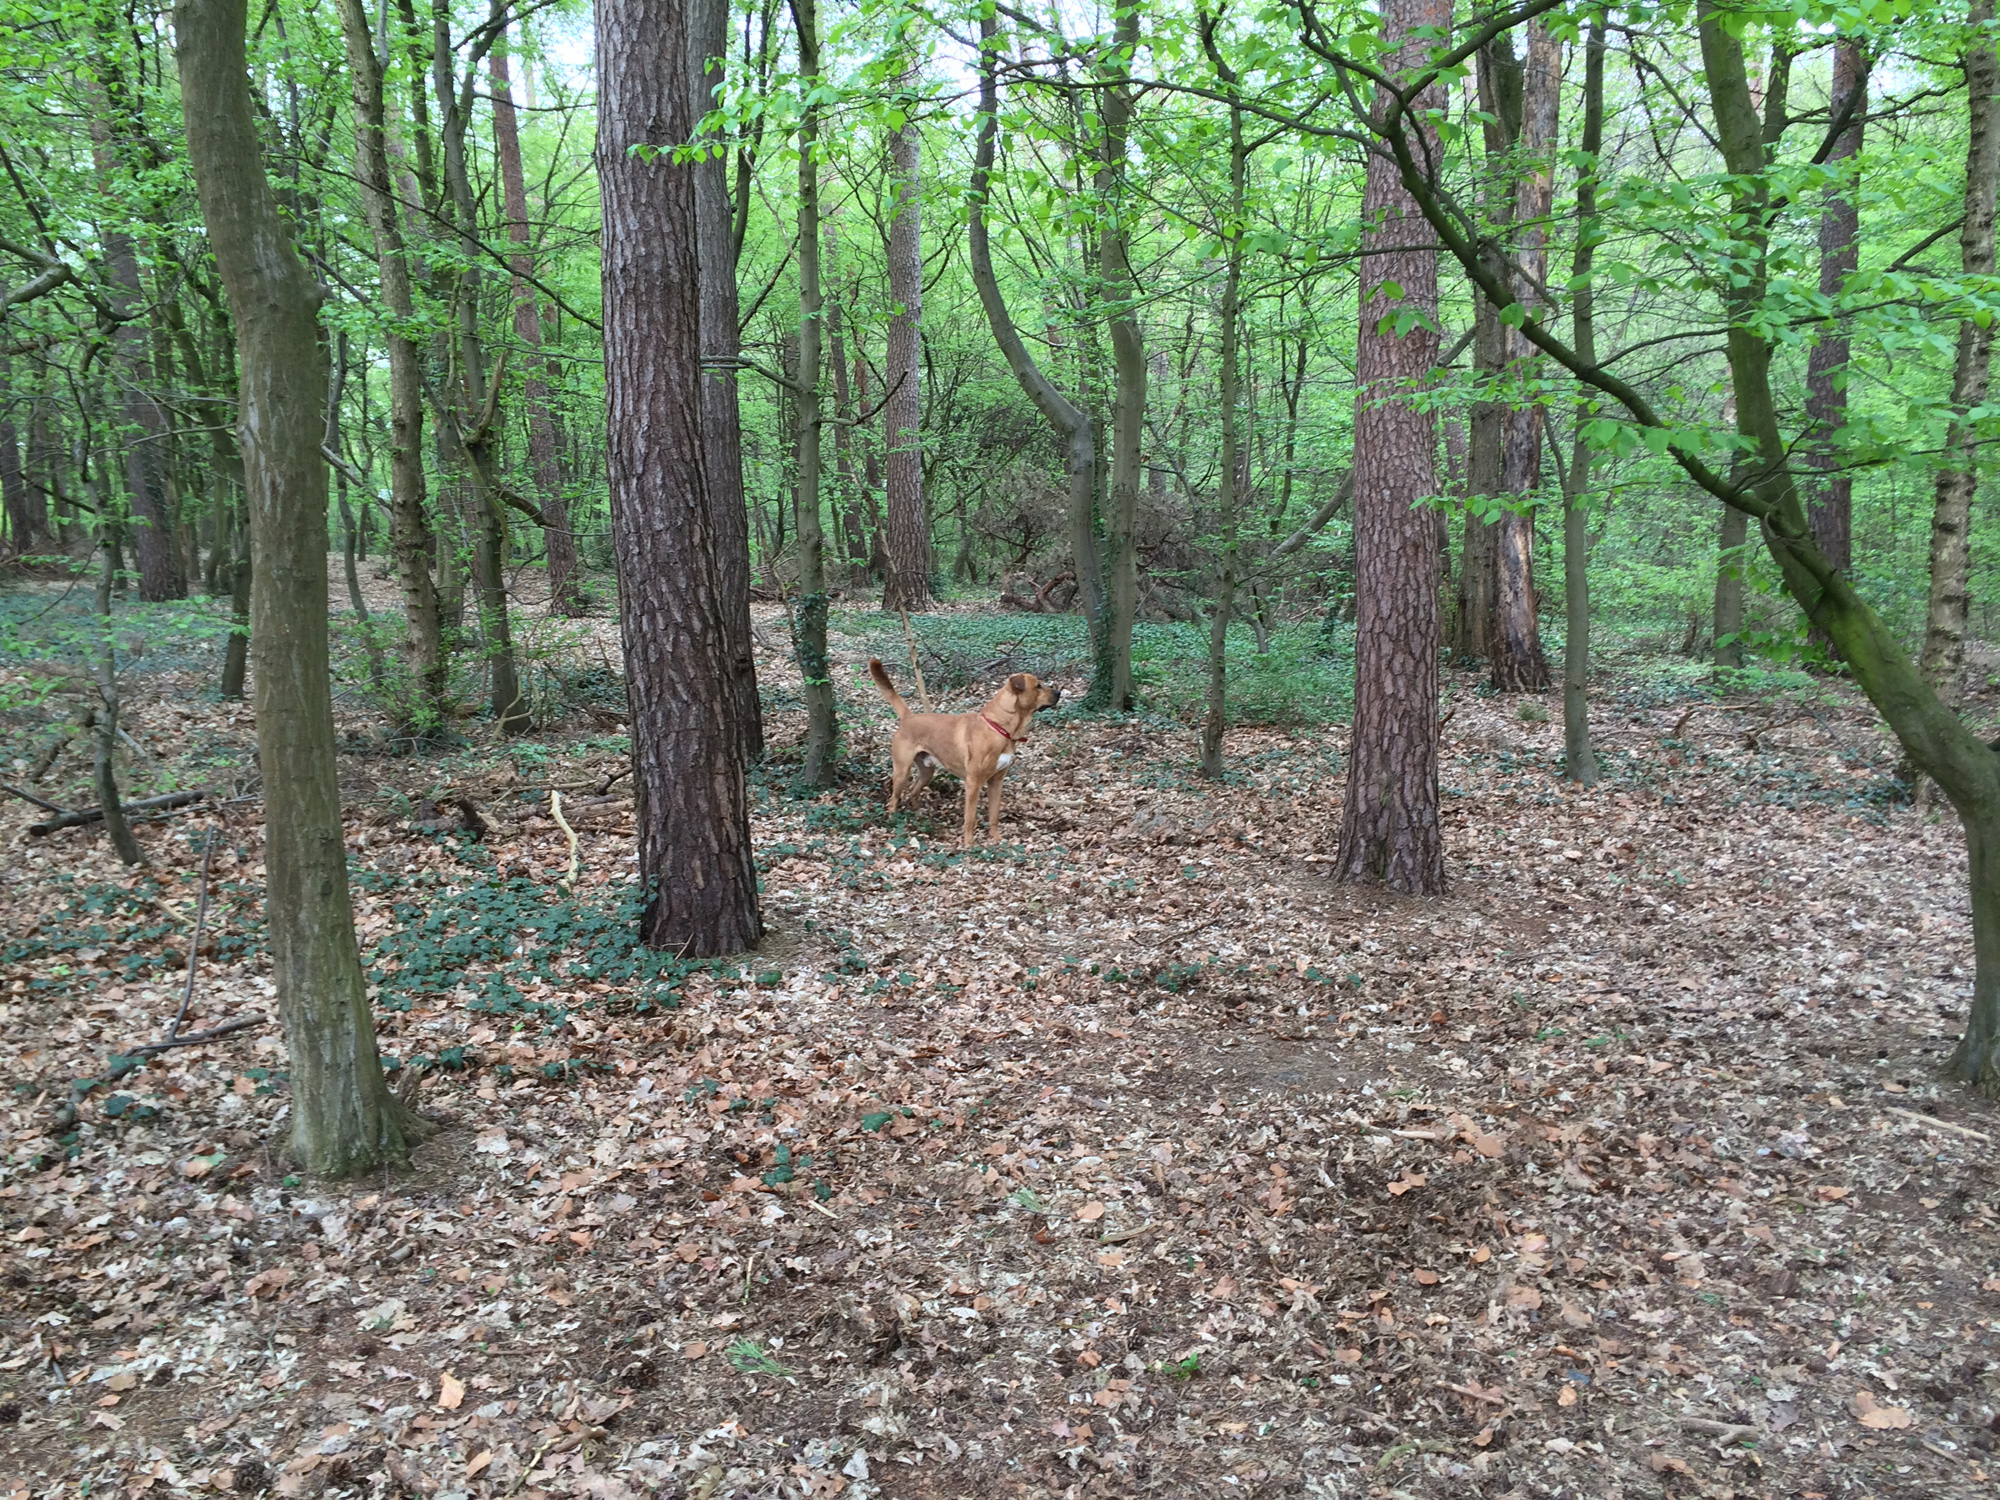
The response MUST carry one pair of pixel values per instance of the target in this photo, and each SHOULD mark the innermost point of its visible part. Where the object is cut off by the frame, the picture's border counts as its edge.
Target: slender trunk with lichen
(1579, 756)
(1229, 496)
(1119, 290)
(344, 1120)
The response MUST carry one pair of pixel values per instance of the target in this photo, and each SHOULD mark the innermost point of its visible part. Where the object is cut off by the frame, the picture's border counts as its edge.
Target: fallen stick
(41, 802)
(130, 1062)
(1475, 1393)
(555, 811)
(1936, 1124)
(86, 815)
(1722, 1432)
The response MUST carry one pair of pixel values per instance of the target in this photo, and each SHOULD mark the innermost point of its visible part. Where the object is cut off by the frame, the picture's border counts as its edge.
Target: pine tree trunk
(909, 529)
(412, 543)
(1518, 663)
(1389, 826)
(344, 1120)
(815, 667)
(1070, 422)
(1120, 291)
(566, 596)
(1829, 493)
(722, 432)
(1958, 472)
(1579, 755)
(687, 752)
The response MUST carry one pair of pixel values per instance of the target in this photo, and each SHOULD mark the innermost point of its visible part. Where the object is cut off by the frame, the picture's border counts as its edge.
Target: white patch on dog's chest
(1006, 759)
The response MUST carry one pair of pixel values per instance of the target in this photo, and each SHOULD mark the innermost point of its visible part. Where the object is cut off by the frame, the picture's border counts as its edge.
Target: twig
(1936, 1124)
(1475, 1393)
(41, 802)
(910, 635)
(130, 1062)
(555, 811)
(194, 947)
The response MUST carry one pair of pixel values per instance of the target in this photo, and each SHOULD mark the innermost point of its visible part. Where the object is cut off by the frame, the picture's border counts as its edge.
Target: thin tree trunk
(815, 668)
(1958, 473)
(1728, 641)
(471, 429)
(344, 1120)
(1579, 755)
(1830, 491)
(722, 432)
(846, 505)
(104, 768)
(236, 652)
(1518, 663)
(1070, 422)
(909, 528)
(144, 439)
(21, 531)
(1390, 829)
(1229, 499)
(1119, 289)
(688, 756)
(566, 595)
(412, 543)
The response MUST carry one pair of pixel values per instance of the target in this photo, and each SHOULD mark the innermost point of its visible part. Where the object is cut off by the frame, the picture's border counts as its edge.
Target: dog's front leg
(993, 810)
(971, 809)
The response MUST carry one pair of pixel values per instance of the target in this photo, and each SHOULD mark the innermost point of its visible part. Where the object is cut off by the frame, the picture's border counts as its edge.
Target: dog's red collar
(998, 730)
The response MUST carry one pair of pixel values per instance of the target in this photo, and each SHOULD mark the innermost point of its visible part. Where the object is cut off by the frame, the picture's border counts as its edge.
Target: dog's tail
(887, 688)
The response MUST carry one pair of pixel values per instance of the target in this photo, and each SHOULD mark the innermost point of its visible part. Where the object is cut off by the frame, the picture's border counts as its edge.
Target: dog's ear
(1018, 682)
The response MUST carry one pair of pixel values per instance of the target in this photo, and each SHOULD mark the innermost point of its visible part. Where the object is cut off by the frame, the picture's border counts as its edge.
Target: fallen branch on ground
(85, 815)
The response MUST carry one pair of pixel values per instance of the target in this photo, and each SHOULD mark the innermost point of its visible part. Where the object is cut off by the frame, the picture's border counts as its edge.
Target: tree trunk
(471, 429)
(1070, 421)
(236, 652)
(22, 533)
(1579, 755)
(344, 1120)
(106, 717)
(144, 438)
(687, 753)
(1229, 497)
(1119, 290)
(846, 504)
(1518, 663)
(1389, 825)
(1829, 503)
(1958, 472)
(908, 585)
(566, 596)
(1729, 564)
(815, 668)
(722, 432)
(412, 543)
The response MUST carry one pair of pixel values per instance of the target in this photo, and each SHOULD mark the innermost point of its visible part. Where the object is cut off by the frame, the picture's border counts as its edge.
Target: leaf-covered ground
(1131, 1157)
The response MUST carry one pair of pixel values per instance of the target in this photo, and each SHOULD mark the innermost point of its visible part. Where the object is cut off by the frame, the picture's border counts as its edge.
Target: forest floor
(1132, 1156)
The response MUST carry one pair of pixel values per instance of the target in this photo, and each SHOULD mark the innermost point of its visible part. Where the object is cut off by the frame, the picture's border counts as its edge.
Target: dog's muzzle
(1055, 695)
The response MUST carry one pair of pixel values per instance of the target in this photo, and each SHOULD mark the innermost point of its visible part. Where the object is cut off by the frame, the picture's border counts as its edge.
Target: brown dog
(976, 747)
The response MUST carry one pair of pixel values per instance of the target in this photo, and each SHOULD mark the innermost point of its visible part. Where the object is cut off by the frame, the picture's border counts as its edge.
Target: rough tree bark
(1829, 502)
(1070, 421)
(1958, 474)
(1579, 755)
(105, 718)
(815, 667)
(1119, 290)
(343, 1118)
(1389, 824)
(410, 538)
(722, 432)
(566, 596)
(1518, 663)
(908, 584)
(687, 755)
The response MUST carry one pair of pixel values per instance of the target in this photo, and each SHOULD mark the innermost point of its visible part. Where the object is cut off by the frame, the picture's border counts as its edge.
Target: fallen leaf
(1091, 1212)
(478, 1462)
(1523, 1296)
(1426, 1278)
(1404, 1183)
(451, 1391)
(1883, 1418)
